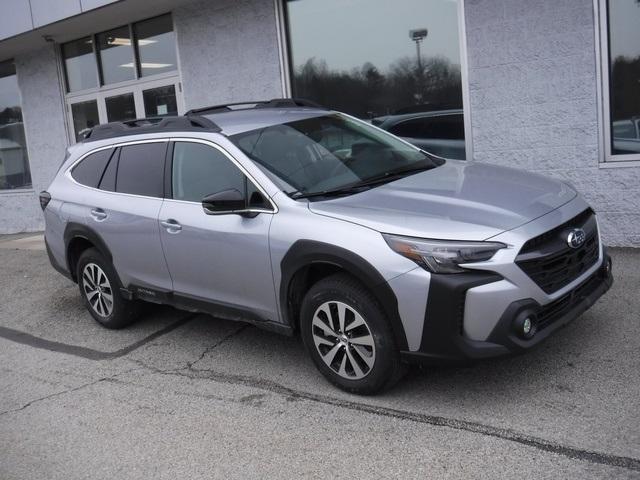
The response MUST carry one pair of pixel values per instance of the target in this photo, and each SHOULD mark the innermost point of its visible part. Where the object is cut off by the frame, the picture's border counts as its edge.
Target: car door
(123, 211)
(221, 259)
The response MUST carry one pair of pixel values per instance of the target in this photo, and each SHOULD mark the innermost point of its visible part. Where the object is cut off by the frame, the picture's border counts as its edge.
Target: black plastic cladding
(187, 123)
(304, 253)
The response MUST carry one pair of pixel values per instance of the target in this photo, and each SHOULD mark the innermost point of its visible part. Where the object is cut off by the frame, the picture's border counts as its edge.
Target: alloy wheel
(343, 340)
(97, 289)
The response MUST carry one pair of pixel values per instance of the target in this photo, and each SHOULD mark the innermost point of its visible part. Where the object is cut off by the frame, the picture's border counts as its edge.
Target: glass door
(157, 98)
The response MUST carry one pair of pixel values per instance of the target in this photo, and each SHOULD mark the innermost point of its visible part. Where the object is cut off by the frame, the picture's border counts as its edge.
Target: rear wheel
(348, 336)
(100, 291)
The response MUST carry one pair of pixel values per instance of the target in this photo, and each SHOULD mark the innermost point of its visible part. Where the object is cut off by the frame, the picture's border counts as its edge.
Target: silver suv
(300, 219)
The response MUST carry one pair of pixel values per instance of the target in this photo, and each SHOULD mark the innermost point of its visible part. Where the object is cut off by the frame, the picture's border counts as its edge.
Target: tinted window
(89, 171)
(449, 127)
(140, 169)
(200, 170)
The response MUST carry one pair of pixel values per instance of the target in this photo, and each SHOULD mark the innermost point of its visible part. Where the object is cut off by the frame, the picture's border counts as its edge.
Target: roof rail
(150, 125)
(273, 103)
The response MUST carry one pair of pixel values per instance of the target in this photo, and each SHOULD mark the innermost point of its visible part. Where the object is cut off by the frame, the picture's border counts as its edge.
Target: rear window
(141, 169)
(89, 171)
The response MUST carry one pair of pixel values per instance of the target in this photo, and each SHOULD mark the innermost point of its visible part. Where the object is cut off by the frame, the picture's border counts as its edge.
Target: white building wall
(533, 95)
(43, 116)
(228, 51)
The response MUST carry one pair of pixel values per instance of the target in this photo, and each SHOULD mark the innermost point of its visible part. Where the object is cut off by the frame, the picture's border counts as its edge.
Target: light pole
(418, 35)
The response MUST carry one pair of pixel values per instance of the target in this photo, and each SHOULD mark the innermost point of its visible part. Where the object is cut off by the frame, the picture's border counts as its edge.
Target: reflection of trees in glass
(366, 92)
(625, 88)
(10, 115)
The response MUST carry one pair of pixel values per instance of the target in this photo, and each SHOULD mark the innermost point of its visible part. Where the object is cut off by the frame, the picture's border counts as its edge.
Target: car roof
(389, 120)
(227, 119)
(245, 120)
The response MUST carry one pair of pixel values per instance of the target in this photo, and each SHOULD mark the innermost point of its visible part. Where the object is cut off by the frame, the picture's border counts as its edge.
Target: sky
(348, 33)
(624, 18)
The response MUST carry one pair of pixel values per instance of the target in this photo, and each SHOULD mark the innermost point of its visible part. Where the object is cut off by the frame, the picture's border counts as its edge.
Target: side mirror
(227, 201)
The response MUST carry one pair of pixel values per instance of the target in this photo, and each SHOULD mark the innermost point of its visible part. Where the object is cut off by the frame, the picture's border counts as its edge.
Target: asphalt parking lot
(181, 395)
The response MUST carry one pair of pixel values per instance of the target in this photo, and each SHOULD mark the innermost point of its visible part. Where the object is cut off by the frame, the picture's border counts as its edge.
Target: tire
(105, 303)
(366, 366)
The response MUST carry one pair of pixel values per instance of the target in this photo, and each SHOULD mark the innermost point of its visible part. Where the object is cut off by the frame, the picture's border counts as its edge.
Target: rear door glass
(141, 169)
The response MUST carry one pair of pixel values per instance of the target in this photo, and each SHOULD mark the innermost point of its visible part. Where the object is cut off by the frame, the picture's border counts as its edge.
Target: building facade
(552, 87)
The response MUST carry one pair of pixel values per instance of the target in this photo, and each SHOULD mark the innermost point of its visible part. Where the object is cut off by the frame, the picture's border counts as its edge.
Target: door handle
(171, 225)
(98, 214)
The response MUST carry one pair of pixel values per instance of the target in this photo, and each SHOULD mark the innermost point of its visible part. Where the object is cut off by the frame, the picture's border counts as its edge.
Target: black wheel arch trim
(75, 230)
(305, 253)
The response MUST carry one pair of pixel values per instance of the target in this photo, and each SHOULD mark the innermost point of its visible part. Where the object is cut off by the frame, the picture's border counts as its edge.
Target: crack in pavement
(267, 385)
(224, 339)
(433, 420)
(68, 390)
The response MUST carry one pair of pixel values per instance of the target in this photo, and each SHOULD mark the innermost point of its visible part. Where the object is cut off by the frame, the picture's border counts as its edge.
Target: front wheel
(348, 336)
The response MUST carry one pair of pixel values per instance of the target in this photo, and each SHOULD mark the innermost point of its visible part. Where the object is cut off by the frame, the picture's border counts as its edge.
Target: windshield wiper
(360, 186)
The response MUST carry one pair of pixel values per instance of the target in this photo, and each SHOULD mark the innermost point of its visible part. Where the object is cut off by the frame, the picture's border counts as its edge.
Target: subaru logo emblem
(576, 238)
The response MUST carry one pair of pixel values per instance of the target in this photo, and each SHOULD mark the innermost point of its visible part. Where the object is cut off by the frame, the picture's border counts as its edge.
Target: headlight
(442, 256)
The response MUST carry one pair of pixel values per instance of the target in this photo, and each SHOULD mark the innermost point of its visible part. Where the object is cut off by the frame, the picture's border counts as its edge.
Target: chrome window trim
(237, 164)
(241, 167)
(601, 28)
(68, 170)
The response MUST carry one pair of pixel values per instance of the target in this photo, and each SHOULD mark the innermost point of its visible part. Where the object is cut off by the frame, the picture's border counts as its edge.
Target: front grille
(553, 311)
(549, 261)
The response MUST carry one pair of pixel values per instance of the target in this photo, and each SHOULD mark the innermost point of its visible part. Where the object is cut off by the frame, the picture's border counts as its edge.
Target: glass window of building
(155, 42)
(160, 101)
(116, 55)
(85, 117)
(624, 77)
(122, 74)
(382, 60)
(121, 108)
(80, 64)
(14, 162)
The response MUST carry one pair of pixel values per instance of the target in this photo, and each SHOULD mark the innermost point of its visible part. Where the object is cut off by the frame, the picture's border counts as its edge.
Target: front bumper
(443, 336)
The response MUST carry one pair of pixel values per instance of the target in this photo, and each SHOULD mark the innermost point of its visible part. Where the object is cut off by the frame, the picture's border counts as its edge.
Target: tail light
(45, 198)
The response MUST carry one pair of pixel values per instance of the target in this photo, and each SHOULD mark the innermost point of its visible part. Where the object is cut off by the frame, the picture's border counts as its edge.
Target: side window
(141, 169)
(199, 170)
(89, 171)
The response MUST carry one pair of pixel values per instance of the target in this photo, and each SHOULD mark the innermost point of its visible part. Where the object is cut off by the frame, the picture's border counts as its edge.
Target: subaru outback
(300, 219)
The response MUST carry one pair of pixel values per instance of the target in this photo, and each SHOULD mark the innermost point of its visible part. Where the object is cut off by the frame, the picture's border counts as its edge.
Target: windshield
(330, 153)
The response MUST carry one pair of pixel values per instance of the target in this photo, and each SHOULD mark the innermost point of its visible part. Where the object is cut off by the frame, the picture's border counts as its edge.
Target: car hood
(458, 200)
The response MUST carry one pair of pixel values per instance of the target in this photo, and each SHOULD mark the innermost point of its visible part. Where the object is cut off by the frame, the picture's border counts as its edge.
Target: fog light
(607, 267)
(524, 326)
